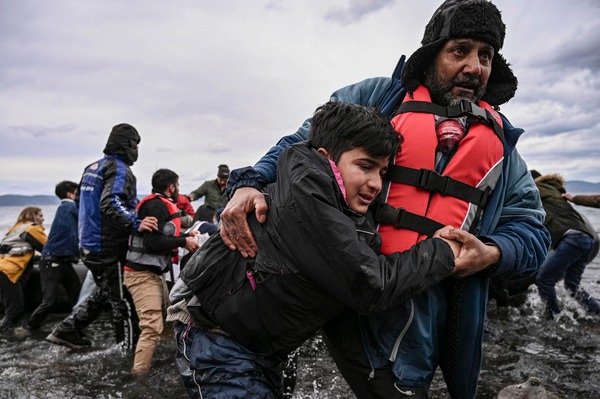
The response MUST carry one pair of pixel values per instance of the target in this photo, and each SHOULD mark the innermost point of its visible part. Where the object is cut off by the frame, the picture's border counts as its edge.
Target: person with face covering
(107, 199)
(458, 166)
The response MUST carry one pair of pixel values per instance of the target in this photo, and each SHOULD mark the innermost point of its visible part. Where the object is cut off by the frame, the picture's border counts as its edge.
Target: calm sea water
(564, 354)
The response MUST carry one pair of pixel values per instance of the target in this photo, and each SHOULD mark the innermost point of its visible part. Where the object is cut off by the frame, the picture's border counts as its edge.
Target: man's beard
(441, 92)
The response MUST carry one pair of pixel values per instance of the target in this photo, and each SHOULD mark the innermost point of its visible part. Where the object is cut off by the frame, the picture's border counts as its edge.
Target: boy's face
(361, 174)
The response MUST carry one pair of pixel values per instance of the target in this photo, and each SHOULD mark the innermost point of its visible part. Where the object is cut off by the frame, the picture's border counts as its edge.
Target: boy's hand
(454, 244)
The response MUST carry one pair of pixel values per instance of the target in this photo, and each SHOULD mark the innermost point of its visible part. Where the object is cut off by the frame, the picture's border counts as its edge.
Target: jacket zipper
(401, 336)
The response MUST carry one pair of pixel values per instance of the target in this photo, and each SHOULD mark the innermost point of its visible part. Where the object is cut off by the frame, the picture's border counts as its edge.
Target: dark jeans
(54, 272)
(343, 339)
(568, 260)
(111, 294)
(214, 366)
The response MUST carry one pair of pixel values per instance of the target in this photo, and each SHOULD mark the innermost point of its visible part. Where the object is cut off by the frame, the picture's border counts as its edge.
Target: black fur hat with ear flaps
(476, 19)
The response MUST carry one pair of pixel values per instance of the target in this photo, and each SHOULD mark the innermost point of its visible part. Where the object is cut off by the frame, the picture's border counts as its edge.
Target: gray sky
(210, 82)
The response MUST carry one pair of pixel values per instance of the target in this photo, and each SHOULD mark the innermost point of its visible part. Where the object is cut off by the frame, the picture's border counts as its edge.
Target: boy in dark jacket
(61, 250)
(318, 256)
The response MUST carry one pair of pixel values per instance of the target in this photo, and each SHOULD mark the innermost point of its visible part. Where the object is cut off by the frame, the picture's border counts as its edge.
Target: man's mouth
(467, 88)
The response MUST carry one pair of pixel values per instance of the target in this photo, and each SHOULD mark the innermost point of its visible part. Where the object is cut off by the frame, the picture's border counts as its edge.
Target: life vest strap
(432, 181)
(401, 218)
(463, 108)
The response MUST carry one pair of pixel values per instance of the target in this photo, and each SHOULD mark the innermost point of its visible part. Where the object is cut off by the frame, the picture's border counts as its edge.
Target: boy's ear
(324, 152)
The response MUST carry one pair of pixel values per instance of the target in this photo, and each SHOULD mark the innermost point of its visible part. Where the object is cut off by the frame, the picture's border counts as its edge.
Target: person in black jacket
(574, 244)
(318, 255)
(149, 257)
(107, 198)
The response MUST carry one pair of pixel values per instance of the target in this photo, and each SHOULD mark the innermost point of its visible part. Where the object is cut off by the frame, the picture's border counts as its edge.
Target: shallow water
(564, 354)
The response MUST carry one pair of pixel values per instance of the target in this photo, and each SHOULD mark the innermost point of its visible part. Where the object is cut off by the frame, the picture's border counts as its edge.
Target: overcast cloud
(209, 82)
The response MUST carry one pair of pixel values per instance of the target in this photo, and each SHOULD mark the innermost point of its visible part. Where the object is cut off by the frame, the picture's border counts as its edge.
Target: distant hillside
(27, 200)
(573, 186)
(582, 187)
(30, 200)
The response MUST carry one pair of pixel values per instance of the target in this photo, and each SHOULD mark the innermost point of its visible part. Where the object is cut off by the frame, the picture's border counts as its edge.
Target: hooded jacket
(513, 221)
(316, 258)
(560, 215)
(107, 195)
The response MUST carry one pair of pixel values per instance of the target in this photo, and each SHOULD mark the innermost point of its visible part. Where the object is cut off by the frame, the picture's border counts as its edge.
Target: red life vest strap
(464, 108)
(432, 181)
(401, 218)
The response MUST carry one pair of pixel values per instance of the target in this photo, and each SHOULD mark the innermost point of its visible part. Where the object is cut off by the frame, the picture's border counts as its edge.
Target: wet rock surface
(530, 389)
(563, 354)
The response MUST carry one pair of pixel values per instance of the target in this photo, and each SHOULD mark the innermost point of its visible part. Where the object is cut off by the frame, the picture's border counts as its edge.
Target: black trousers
(343, 339)
(55, 272)
(111, 294)
(12, 298)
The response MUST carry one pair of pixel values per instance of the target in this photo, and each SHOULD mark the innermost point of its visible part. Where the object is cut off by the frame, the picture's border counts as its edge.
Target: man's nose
(472, 65)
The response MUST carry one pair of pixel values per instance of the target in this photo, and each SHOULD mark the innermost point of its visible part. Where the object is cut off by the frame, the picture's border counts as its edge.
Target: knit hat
(223, 172)
(476, 19)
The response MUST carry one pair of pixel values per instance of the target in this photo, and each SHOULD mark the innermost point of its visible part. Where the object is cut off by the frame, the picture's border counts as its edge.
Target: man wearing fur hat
(107, 199)
(458, 166)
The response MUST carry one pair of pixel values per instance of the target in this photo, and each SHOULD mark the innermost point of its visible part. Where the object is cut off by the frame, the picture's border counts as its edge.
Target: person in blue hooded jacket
(444, 100)
(107, 199)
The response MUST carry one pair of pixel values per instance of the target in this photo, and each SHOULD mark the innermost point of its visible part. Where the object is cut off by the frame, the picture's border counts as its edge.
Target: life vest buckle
(399, 221)
(432, 181)
(466, 107)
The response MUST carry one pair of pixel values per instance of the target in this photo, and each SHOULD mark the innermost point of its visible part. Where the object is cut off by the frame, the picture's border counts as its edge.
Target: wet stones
(530, 389)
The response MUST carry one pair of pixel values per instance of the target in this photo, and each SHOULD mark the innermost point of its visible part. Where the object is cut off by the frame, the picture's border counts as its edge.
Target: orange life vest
(456, 196)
